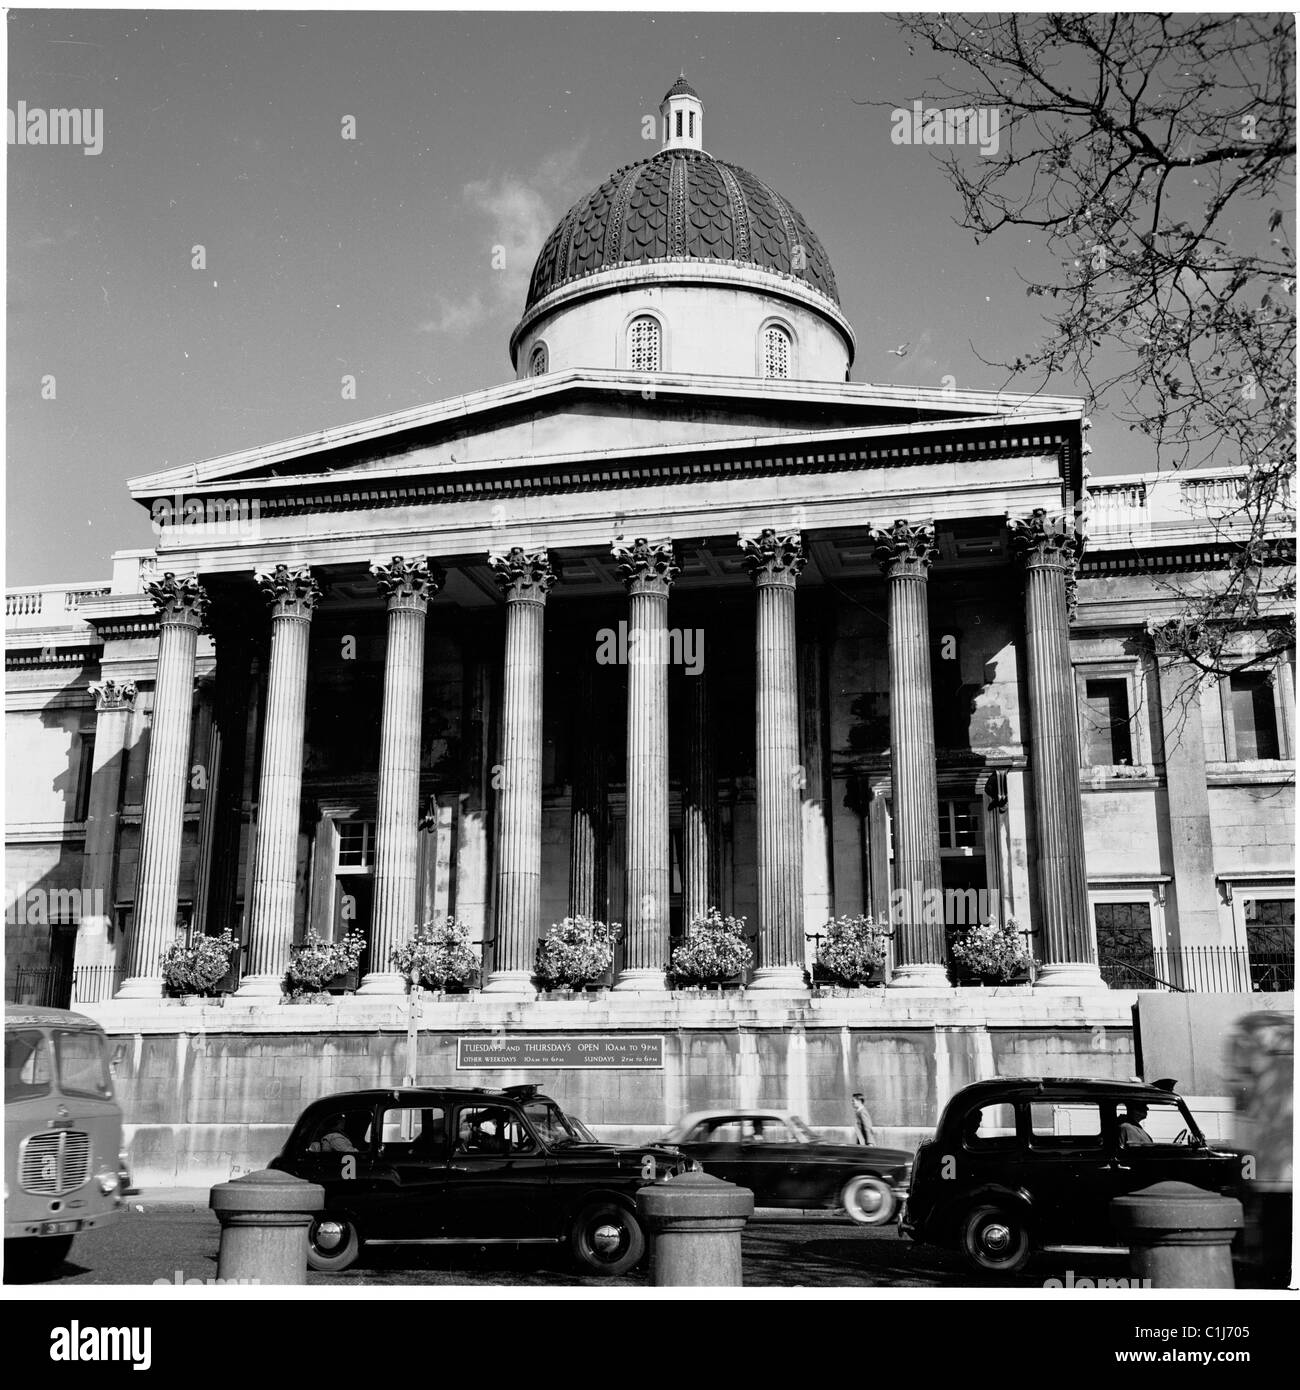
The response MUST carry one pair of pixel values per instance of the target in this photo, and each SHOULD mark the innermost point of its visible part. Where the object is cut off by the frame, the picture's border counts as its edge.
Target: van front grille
(54, 1163)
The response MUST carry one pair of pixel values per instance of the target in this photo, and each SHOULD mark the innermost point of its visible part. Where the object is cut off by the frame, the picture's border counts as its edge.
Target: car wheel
(870, 1201)
(995, 1239)
(606, 1239)
(333, 1243)
(37, 1257)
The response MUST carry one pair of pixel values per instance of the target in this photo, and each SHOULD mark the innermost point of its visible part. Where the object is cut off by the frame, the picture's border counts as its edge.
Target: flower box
(576, 954)
(715, 954)
(347, 982)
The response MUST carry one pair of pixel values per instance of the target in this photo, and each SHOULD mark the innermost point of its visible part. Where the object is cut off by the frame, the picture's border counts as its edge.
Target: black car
(451, 1165)
(1022, 1164)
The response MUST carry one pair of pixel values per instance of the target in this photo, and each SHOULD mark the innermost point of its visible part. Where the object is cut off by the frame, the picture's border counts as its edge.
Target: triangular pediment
(590, 416)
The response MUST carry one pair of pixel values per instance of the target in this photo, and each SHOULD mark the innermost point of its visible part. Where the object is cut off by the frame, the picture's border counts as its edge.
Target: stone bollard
(695, 1223)
(264, 1219)
(1179, 1236)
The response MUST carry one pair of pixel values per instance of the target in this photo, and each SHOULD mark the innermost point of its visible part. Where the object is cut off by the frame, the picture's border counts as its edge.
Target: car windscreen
(83, 1064)
(551, 1124)
(28, 1073)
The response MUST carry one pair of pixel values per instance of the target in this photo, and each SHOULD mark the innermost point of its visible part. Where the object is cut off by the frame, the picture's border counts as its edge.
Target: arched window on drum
(643, 344)
(778, 349)
(538, 364)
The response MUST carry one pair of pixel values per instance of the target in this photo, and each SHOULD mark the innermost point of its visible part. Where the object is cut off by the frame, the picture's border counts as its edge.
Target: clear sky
(373, 257)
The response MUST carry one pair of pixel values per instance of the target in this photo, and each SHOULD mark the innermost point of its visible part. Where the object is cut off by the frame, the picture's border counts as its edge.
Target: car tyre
(869, 1200)
(333, 1244)
(606, 1239)
(995, 1239)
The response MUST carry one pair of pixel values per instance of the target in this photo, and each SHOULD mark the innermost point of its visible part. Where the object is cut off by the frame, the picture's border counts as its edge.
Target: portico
(449, 723)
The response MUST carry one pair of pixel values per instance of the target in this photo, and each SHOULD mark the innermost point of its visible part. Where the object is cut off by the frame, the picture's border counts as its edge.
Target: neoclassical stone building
(679, 617)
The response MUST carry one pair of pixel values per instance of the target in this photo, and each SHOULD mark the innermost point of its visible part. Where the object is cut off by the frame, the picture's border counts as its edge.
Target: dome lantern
(683, 114)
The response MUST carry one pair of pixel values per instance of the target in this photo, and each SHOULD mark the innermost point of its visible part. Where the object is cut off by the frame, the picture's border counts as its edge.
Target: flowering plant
(714, 950)
(314, 963)
(575, 951)
(852, 949)
(437, 955)
(992, 948)
(195, 968)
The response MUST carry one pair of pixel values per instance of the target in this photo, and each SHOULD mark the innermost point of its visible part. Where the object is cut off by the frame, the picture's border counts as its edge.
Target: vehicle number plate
(60, 1228)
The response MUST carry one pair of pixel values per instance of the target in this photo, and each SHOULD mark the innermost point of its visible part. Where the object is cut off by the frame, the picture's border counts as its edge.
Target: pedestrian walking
(864, 1132)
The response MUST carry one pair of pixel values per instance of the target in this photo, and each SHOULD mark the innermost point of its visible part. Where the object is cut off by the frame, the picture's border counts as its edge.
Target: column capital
(1046, 541)
(408, 581)
(904, 550)
(646, 566)
(290, 591)
(179, 599)
(111, 694)
(773, 558)
(525, 576)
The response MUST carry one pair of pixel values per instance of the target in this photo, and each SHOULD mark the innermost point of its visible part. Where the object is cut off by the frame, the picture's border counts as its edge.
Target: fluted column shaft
(775, 562)
(408, 584)
(905, 553)
(648, 569)
(292, 595)
(181, 605)
(588, 818)
(1049, 549)
(699, 804)
(114, 701)
(525, 578)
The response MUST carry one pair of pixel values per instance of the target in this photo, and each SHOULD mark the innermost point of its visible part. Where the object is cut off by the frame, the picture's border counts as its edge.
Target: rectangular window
(1254, 715)
(412, 1132)
(1125, 952)
(85, 765)
(679, 125)
(1107, 737)
(356, 844)
(960, 826)
(1270, 943)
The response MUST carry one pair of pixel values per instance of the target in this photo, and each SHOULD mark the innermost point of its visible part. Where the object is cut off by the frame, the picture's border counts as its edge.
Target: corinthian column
(648, 569)
(182, 606)
(292, 595)
(114, 701)
(905, 553)
(526, 578)
(699, 803)
(408, 585)
(774, 562)
(1049, 550)
(588, 817)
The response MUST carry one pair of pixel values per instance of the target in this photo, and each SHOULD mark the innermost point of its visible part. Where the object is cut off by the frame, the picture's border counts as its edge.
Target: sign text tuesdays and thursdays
(524, 1051)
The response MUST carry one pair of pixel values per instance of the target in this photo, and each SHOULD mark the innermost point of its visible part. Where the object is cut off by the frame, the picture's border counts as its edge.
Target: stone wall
(211, 1090)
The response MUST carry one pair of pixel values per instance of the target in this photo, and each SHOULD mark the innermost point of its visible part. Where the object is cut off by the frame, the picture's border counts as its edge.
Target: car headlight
(108, 1183)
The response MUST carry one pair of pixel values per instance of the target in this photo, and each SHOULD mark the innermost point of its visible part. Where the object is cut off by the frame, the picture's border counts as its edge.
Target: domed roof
(681, 204)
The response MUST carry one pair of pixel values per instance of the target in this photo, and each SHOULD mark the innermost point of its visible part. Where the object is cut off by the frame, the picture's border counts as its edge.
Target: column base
(920, 975)
(780, 979)
(1074, 975)
(640, 982)
(260, 987)
(141, 987)
(382, 982)
(515, 983)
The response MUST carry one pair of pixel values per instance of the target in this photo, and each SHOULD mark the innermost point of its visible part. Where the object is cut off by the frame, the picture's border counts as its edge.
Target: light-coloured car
(784, 1163)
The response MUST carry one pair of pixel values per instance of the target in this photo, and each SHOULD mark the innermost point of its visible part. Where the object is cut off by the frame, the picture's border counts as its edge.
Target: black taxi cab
(449, 1165)
(1021, 1164)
